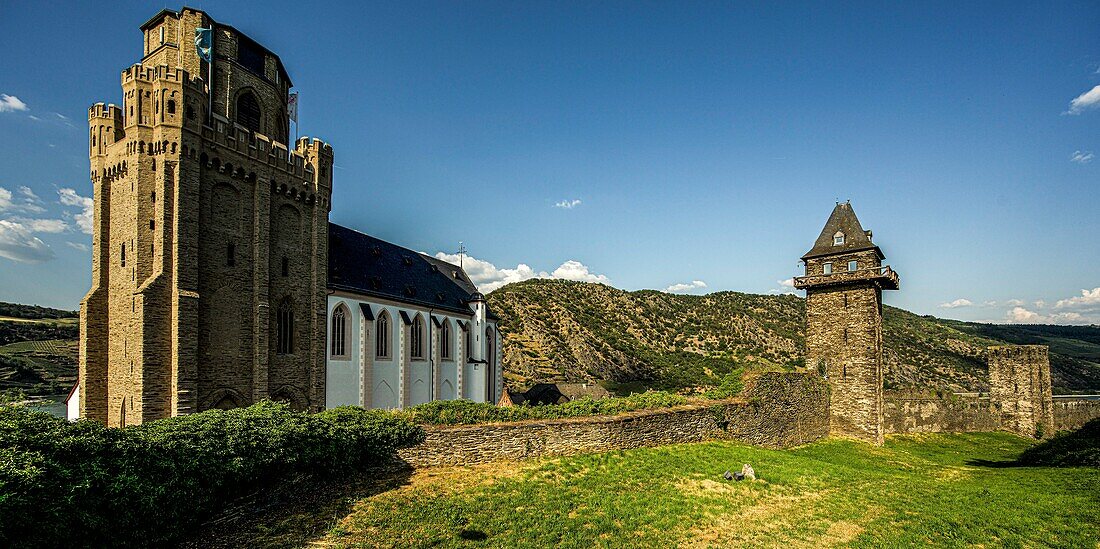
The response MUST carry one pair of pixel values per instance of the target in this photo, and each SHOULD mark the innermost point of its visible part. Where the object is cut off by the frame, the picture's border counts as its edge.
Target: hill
(38, 349)
(557, 331)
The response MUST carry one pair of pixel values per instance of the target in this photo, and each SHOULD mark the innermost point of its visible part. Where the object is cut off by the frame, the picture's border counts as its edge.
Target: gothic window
(171, 106)
(382, 336)
(838, 238)
(827, 268)
(339, 333)
(853, 265)
(445, 337)
(468, 354)
(190, 112)
(248, 111)
(416, 339)
(284, 328)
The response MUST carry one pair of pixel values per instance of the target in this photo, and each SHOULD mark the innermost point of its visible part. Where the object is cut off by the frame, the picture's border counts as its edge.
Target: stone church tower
(211, 235)
(844, 281)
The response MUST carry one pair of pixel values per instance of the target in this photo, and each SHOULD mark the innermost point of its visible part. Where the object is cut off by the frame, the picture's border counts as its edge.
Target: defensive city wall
(777, 410)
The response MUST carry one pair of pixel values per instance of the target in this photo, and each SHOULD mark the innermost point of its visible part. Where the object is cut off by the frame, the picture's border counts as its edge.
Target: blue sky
(690, 141)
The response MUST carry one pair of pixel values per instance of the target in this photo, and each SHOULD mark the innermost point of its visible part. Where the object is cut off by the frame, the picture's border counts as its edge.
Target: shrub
(462, 412)
(82, 483)
(1067, 448)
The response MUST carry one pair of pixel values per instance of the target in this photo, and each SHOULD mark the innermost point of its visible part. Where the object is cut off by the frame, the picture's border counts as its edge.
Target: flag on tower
(292, 106)
(204, 42)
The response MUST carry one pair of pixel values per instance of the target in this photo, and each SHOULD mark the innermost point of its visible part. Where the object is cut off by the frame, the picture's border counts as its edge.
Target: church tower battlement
(844, 280)
(210, 235)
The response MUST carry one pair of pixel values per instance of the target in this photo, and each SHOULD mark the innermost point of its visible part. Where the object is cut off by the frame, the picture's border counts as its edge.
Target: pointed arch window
(382, 336)
(446, 341)
(416, 339)
(284, 328)
(339, 334)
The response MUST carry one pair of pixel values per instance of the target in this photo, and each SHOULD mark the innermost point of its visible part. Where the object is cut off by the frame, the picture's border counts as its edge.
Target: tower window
(230, 255)
(827, 268)
(151, 224)
(190, 112)
(284, 328)
(286, 267)
(123, 254)
(853, 265)
(838, 238)
(248, 111)
(171, 106)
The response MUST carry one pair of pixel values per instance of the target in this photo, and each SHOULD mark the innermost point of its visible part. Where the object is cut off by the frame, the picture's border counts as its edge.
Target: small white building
(404, 328)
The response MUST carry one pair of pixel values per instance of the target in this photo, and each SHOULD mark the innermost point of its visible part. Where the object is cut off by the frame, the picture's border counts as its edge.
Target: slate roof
(856, 239)
(363, 264)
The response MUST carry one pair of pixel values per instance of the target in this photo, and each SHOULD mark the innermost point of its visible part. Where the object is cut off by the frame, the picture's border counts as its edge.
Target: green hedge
(84, 484)
(462, 412)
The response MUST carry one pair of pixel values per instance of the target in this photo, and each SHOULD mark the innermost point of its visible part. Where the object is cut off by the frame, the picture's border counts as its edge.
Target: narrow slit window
(230, 255)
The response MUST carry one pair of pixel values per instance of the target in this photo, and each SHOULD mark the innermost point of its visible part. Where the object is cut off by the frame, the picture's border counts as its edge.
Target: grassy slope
(915, 491)
(570, 331)
(38, 349)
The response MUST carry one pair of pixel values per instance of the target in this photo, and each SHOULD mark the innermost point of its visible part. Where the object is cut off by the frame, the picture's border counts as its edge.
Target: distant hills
(557, 330)
(38, 349)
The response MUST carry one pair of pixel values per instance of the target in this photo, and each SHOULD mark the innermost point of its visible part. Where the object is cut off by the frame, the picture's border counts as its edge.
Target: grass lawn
(942, 490)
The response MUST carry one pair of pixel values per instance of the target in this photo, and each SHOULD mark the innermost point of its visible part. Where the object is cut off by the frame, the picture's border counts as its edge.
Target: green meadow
(917, 490)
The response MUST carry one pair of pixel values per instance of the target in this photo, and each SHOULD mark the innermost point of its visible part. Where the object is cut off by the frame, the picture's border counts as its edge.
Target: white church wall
(385, 374)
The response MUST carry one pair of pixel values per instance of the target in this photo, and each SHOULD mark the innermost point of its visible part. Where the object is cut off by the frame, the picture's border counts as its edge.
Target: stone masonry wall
(909, 412)
(779, 410)
(1072, 413)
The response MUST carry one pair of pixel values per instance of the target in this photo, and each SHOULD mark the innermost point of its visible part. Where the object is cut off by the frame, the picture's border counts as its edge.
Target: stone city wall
(1071, 413)
(913, 412)
(778, 410)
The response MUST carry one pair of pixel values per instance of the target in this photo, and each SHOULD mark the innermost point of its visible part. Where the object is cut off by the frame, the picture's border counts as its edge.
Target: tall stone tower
(844, 280)
(211, 235)
(1019, 387)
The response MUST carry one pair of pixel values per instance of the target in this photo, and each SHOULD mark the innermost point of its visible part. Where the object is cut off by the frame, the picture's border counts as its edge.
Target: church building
(218, 280)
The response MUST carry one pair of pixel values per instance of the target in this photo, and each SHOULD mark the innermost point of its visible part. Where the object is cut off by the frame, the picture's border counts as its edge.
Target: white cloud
(69, 197)
(5, 200)
(27, 192)
(575, 270)
(11, 103)
(1020, 315)
(961, 302)
(1088, 300)
(568, 204)
(488, 277)
(18, 243)
(78, 246)
(1085, 101)
(686, 286)
(1014, 302)
(1040, 304)
(1082, 157)
(52, 226)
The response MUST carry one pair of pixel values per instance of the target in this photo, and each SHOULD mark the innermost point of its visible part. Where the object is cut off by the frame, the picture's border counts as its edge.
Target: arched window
(445, 341)
(171, 106)
(339, 332)
(248, 111)
(468, 353)
(284, 328)
(382, 336)
(416, 339)
(838, 238)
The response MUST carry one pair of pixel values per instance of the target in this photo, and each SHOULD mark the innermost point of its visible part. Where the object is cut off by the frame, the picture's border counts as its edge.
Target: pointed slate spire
(842, 222)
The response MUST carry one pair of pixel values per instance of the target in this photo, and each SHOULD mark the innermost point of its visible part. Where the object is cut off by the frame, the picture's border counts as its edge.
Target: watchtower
(210, 237)
(844, 280)
(1019, 387)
